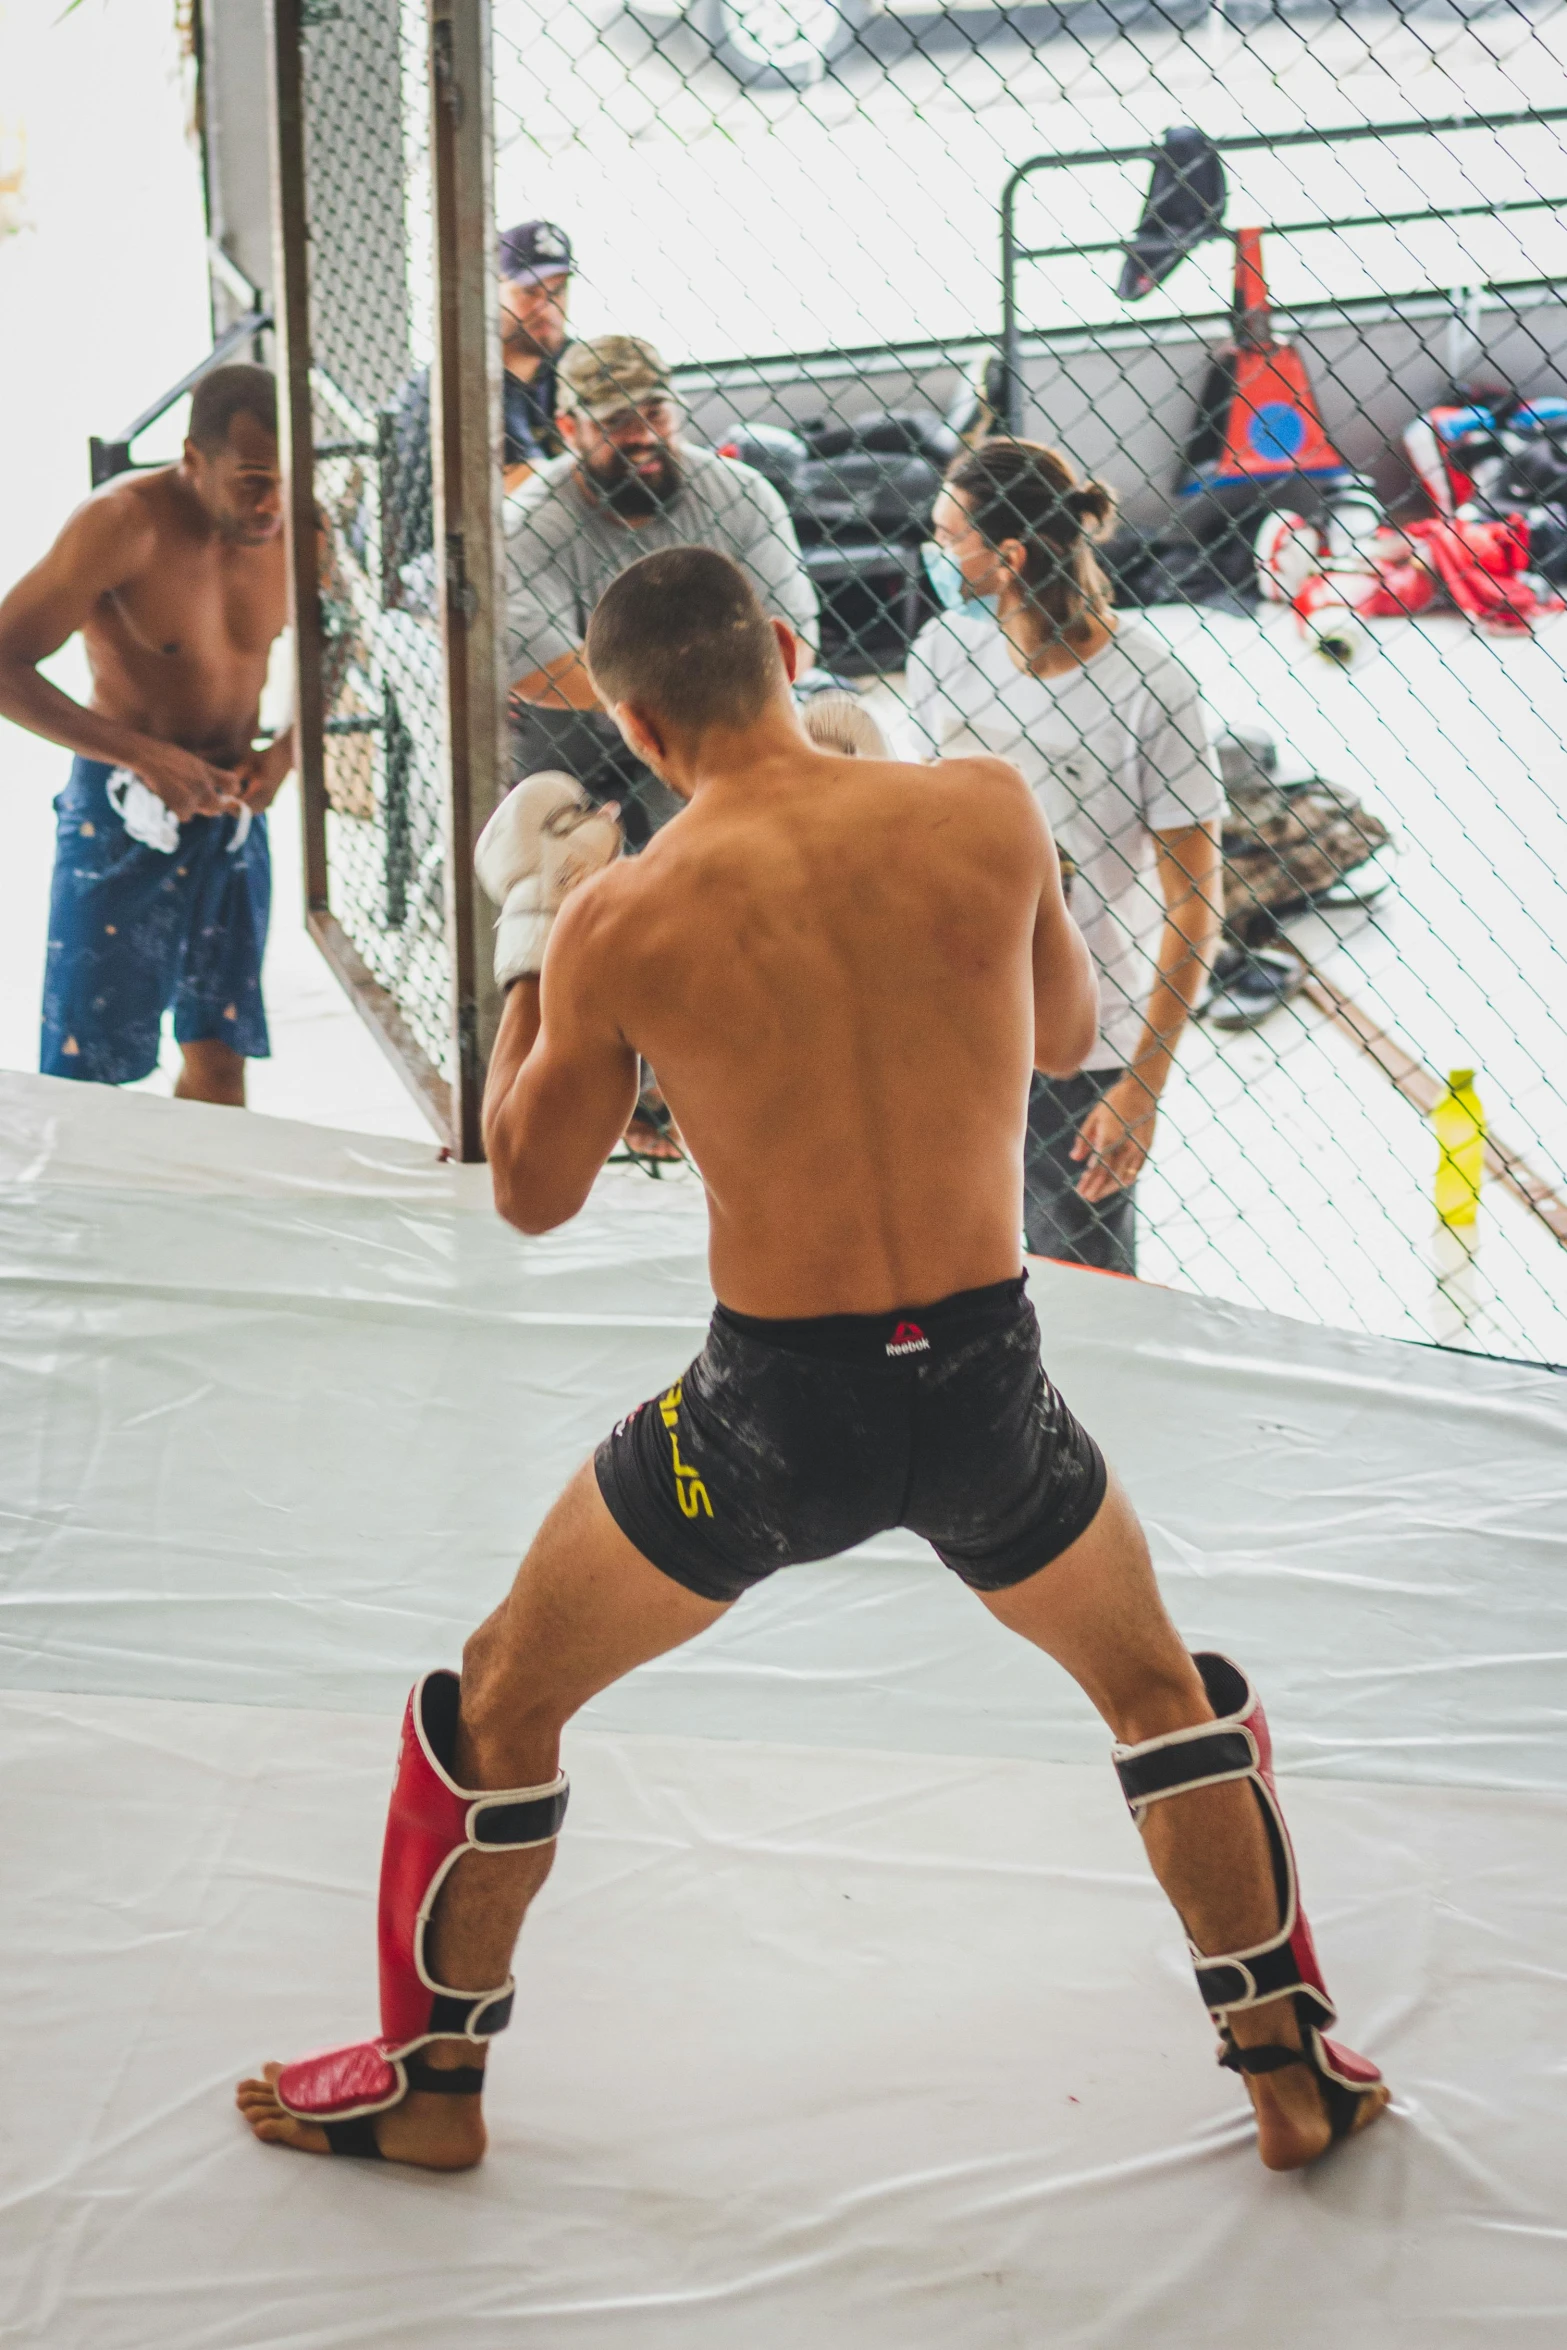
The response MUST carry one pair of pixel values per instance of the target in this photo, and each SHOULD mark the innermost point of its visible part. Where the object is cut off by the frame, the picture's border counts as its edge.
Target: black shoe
(1247, 984)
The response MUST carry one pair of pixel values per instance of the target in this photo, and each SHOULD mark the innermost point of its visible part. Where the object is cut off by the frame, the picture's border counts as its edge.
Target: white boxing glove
(545, 837)
(841, 723)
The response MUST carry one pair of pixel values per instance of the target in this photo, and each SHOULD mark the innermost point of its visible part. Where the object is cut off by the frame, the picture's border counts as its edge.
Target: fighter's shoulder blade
(591, 925)
(993, 800)
(981, 771)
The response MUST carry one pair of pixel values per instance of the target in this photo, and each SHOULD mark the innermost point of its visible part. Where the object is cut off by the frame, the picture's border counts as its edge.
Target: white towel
(152, 821)
(145, 817)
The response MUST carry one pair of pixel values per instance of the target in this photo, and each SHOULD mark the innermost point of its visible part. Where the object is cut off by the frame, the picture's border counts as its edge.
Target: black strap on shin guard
(1342, 2105)
(463, 2080)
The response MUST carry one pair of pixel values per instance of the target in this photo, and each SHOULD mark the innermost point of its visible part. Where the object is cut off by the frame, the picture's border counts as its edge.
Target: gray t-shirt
(562, 550)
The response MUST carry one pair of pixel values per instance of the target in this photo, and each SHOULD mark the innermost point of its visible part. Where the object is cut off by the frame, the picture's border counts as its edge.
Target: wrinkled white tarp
(871, 2051)
(850, 2015)
(281, 1411)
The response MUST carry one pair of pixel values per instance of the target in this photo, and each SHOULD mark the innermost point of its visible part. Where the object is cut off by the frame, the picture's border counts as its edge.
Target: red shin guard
(1237, 1747)
(432, 1822)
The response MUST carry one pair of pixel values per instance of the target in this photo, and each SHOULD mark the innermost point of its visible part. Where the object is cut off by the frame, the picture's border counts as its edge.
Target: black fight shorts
(788, 1441)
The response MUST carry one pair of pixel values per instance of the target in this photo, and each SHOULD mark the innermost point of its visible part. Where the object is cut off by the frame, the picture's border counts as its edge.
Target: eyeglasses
(631, 423)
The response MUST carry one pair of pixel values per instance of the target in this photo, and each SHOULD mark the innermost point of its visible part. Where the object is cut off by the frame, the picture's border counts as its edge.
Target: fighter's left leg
(1193, 1756)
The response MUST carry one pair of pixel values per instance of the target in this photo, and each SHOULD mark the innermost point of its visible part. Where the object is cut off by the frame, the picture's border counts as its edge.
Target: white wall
(103, 294)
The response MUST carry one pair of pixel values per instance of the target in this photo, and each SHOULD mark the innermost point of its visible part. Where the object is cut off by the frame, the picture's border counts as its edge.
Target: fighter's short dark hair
(681, 633)
(229, 392)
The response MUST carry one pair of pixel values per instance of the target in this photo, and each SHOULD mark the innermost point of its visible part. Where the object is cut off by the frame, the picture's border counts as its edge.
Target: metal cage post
(296, 429)
(465, 409)
(377, 1005)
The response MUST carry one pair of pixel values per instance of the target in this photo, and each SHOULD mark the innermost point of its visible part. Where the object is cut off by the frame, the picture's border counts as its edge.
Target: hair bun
(1092, 505)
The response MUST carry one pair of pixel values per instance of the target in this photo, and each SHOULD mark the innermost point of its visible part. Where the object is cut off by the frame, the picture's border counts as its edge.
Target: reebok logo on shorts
(908, 1339)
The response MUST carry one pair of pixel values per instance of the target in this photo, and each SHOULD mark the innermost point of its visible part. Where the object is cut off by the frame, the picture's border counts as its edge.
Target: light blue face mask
(951, 591)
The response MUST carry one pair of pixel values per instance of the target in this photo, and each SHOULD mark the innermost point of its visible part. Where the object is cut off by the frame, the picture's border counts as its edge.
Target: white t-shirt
(1115, 750)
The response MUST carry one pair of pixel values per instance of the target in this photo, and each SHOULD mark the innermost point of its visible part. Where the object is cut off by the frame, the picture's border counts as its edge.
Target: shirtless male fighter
(887, 949)
(162, 884)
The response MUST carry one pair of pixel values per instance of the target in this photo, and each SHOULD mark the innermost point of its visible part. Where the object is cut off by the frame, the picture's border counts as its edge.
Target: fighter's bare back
(816, 951)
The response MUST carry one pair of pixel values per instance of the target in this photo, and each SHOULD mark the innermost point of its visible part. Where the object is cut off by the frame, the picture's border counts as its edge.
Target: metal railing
(107, 458)
(1251, 143)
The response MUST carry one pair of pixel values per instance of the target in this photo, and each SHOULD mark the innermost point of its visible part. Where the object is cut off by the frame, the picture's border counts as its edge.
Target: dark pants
(1056, 1221)
(586, 744)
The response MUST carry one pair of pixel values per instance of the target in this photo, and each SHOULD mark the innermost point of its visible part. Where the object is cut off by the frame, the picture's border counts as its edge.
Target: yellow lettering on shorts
(689, 1488)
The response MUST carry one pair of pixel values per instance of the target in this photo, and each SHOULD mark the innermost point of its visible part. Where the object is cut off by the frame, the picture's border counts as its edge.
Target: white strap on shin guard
(1234, 1747)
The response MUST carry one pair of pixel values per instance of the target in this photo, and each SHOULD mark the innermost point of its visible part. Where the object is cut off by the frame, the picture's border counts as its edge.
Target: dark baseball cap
(532, 250)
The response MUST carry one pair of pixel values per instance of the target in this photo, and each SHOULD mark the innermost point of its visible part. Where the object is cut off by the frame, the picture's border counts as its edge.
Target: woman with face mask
(1030, 662)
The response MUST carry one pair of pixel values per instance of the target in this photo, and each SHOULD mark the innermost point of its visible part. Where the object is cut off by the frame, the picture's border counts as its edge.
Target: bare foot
(1293, 2124)
(1292, 2121)
(437, 2133)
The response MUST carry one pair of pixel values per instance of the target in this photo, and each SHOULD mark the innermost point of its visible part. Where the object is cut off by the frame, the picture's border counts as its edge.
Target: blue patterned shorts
(134, 931)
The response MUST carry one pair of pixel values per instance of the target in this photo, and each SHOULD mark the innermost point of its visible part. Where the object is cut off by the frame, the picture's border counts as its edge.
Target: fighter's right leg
(585, 1609)
(1210, 1824)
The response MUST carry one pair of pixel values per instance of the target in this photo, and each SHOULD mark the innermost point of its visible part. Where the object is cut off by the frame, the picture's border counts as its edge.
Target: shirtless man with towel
(162, 887)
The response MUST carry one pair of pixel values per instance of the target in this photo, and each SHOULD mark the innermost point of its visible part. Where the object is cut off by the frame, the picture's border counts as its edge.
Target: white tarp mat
(850, 2014)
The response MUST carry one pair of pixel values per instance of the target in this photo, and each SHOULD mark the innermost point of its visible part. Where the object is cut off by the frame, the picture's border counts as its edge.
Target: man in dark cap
(535, 267)
(534, 262)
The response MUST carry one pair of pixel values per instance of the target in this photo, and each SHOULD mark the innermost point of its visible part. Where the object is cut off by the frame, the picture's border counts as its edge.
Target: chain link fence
(1313, 341)
(372, 312)
(360, 250)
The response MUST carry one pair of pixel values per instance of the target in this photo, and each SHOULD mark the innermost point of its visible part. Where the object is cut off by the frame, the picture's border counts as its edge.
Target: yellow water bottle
(1459, 1124)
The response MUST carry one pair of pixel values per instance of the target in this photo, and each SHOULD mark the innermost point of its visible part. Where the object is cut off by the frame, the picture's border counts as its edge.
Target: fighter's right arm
(105, 545)
(562, 1080)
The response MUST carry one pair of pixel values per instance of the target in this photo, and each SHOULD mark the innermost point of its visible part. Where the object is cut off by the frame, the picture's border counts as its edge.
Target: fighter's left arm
(563, 1079)
(1117, 1134)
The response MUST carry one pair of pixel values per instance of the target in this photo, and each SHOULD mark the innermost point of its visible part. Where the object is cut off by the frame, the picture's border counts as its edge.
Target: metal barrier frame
(465, 440)
(107, 459)
(1261, 142)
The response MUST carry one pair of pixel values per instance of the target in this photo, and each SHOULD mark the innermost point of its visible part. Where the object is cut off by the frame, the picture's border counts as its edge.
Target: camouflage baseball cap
(608, 374)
